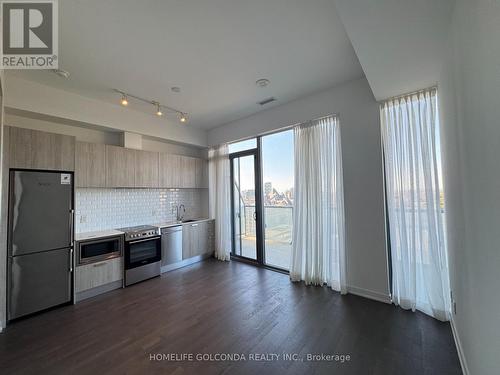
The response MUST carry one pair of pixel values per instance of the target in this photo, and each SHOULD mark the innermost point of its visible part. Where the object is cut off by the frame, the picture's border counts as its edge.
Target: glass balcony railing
(277, 233)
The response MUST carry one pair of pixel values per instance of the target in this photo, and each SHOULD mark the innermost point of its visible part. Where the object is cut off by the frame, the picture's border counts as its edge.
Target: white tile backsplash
(102, 209)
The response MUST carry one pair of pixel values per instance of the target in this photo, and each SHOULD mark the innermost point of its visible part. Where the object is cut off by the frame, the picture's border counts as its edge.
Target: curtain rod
(407, 94)
(284, 128)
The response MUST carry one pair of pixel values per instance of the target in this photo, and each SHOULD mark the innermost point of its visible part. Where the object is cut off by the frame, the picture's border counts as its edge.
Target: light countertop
(113, 232)
(98, 234)
(175, 223)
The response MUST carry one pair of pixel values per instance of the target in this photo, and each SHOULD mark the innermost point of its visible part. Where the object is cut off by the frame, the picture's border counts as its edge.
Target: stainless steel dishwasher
(171, 245)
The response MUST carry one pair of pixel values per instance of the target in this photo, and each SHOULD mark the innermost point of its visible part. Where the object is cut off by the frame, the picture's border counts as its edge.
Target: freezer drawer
(38, 281)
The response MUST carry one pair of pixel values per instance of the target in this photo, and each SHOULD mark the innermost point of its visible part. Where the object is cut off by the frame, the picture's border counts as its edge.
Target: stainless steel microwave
(97, 250)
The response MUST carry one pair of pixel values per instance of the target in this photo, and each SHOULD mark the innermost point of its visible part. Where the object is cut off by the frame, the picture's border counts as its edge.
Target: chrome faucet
(178, 215)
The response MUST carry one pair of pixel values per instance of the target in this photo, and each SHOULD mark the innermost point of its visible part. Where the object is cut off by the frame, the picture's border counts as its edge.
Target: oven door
(141, 252)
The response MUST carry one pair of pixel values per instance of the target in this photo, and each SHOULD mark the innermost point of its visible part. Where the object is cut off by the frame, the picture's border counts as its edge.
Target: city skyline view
(277, 161)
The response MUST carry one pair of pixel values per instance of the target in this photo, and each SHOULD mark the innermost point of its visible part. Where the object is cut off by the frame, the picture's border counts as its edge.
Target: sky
(277, 161)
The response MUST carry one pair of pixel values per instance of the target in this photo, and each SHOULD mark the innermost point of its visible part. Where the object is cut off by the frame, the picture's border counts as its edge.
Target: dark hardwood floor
(215, 307)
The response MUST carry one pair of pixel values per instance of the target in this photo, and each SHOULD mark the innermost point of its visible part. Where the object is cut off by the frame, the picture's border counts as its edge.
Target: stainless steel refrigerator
(40, 241)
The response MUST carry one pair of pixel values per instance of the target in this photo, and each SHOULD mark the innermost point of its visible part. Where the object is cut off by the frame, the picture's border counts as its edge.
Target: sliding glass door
(262, 199)
(277, 173)
(245, 203)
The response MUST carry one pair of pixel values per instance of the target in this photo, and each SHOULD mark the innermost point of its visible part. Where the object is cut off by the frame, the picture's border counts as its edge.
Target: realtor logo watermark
(29, 34)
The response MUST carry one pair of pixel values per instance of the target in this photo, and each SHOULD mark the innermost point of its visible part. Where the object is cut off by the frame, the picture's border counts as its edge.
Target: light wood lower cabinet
(197, 239)
(188, 239)
(211, 236)
(97, 274)
(202, 239)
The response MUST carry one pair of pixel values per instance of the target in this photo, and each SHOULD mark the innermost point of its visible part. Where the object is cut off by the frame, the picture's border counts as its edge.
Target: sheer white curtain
(219, 199)
(410, 134)
(318, 247)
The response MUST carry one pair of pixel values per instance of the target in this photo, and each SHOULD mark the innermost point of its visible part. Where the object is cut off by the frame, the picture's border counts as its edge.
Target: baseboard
(385, 298)
(80, 296)
(186, 262)
(460, 351)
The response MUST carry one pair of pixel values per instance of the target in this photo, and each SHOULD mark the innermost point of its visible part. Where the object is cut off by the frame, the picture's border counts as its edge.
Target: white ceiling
(214, 50)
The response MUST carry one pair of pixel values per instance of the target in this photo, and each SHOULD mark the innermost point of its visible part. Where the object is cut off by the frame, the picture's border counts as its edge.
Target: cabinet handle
(99, 264)
(194, 225)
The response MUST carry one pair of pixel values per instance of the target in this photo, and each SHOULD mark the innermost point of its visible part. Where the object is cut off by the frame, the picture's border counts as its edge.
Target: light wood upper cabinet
(201, 173)
(146, 169)
(170, 171)
(35, 149)
(90, 164)
(120, 167)
(188, 172)
(20, 147)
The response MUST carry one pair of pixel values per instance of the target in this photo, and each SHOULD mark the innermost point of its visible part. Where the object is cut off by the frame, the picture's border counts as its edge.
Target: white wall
(34, 97)
(399, 43)
(470, 90)
(362, 163)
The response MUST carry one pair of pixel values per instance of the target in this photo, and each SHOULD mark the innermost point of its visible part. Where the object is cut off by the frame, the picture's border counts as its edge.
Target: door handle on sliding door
(255, 215)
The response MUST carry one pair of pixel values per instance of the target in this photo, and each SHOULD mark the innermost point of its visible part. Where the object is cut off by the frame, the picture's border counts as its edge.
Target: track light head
(124, 101)
(158, 110)
(183, 118)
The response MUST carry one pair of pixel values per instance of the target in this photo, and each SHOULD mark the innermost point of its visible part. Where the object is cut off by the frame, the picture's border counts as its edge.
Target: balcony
(277, 234)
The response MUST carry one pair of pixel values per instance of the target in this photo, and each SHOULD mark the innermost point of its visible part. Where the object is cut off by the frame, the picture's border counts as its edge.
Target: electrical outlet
(83, 219)
(153, 212)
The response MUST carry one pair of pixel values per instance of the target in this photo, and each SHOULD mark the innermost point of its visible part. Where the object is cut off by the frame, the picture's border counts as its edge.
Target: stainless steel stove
(142, 253)
(140, 231)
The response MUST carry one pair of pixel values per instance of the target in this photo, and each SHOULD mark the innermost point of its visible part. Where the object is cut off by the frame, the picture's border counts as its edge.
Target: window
(410, 135)
(247, 144)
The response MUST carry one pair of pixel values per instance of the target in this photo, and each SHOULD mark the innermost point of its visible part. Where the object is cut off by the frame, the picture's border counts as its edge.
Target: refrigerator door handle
(71, 260)
(72, 227)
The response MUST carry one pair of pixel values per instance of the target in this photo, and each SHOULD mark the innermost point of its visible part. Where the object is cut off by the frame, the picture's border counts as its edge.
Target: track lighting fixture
(160, 108)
